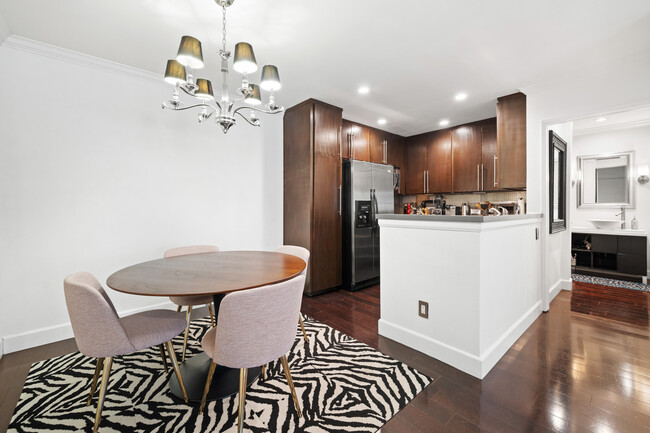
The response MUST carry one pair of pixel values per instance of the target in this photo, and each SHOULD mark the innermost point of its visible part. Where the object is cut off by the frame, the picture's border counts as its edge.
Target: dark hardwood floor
(569, 372)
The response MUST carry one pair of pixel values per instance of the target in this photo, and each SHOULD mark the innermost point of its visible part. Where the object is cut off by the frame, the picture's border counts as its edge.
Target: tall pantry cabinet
(312, 190)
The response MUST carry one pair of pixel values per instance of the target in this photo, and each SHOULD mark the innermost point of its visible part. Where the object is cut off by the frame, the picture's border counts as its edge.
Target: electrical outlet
(423, 309)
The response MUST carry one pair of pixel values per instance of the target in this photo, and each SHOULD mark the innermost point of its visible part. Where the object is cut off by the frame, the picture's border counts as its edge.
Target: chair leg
(304, 333)
(164, 358)
(188, 315)
(102, 391)
(178, 310)
(93, 384)
(211, 314)
(208, 382)
(287, 373)
(241, 412)
(172, 357)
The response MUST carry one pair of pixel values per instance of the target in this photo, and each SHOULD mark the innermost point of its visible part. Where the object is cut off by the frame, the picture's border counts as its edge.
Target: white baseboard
(557, 287)
(51, 334)
(471, 364)
(2, 347)
(496, 351)
(453, 356)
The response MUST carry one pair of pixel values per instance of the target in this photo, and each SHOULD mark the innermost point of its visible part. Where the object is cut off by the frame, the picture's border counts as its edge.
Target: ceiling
(623, 119)
(414, 55)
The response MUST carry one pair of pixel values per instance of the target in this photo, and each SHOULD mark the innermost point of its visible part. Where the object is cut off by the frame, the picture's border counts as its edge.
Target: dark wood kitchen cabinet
(511, 141)
(416, 163)
(312, 190)
(489, 149)
(378, 146)
(466, 158)
(356, 140)
(439, 162)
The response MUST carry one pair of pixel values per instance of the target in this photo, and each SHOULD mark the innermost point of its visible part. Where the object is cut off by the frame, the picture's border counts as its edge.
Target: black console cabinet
(610, 256)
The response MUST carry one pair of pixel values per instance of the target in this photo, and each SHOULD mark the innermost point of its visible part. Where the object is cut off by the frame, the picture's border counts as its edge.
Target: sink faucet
(622, 214)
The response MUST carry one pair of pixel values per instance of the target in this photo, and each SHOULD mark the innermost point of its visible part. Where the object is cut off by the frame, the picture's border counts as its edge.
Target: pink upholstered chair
(303, 253)
(100, 333)
(254, 327)
(191, 301)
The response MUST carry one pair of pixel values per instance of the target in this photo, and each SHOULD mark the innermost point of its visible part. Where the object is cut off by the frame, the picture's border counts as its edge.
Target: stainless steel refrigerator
(368, 190)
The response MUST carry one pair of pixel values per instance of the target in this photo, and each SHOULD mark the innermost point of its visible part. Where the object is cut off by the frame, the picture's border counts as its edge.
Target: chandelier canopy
(248, 102)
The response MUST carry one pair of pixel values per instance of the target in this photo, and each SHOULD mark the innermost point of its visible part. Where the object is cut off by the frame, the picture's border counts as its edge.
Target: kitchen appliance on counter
(367, 191)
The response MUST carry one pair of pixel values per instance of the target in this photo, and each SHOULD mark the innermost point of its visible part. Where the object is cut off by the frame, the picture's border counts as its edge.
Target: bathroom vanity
(617, 254)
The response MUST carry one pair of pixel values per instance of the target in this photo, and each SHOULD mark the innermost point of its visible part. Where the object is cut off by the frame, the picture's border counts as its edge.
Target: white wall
(636, 139)
(95, 176)
(615, 86)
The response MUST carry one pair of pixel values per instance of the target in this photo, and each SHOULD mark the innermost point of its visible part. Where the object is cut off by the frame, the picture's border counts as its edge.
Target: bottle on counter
(635, 224)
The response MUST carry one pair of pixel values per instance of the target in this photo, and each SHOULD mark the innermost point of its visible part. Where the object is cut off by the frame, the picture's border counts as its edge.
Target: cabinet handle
(340, 139)
(385, 152)
(424, 180)
(340, 199)
(428, 186)
(478, 177)
(482, 179)
(354, 149)
(495, 170)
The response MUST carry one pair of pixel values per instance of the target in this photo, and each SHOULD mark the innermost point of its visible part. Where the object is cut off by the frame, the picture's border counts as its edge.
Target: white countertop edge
(458, 218)
(617, 232)
(442, 225)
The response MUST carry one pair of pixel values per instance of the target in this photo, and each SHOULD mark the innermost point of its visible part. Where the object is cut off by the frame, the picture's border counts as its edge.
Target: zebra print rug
(343, 386)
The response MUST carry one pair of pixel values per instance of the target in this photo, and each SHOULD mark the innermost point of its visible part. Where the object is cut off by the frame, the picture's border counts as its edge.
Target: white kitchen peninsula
(479, 276)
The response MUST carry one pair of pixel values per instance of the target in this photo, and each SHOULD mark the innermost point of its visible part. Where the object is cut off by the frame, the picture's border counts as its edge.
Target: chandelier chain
(223, 30)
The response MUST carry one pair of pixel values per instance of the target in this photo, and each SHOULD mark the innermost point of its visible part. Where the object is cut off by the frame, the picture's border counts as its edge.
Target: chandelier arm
(195, 106)
(246, 118)
(259, 110)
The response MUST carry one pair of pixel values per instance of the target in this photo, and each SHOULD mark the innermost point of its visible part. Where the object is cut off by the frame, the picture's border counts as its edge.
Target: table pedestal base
(225, 381)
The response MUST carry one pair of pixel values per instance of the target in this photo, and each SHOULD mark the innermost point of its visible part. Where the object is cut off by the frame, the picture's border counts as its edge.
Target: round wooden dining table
(216, 274)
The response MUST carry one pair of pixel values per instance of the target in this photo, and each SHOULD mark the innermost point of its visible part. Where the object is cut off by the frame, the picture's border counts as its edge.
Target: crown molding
(73, 57)
(5, 32)
(615, 127)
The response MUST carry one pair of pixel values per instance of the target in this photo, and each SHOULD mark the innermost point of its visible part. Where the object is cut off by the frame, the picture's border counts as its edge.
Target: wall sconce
(643, 174)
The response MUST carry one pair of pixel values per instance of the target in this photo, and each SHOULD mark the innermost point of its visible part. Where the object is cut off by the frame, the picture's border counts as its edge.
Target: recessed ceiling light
(460, 96)
(444, 122)
(363, 90)
(601, 119)
(381, 121)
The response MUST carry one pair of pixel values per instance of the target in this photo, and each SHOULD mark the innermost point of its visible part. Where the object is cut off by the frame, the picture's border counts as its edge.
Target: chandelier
(180, 74)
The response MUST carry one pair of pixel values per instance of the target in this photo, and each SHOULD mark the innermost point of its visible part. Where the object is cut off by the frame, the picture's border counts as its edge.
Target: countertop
(617, 232)
(458, 218)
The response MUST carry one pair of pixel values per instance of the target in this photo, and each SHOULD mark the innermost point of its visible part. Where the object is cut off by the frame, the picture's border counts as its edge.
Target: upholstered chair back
(192, 249)
(95, 323)
(301, 252)
(257, 326)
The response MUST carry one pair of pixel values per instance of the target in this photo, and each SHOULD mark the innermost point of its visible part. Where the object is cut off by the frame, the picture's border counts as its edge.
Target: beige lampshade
(254, 98)
(270, 78)
(244, 61)
(175, 73)
(190, 52)
(204, 89)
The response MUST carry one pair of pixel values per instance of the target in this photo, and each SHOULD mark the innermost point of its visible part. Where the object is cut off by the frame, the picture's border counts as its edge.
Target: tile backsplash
(472, 198)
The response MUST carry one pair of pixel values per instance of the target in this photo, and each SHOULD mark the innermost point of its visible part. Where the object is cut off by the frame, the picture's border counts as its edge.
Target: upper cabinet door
(467, 158)
(378, 146)
(327, 130)
(439, 162)
(511, 141)
(395, 151)
(416, 156)
(346, 139)
(360, 147)
(490, 161)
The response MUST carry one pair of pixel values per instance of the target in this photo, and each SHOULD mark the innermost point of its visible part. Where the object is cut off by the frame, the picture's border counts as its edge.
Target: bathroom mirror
(557, 182)
(605, 181)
